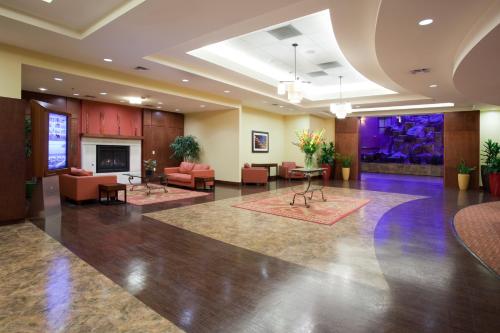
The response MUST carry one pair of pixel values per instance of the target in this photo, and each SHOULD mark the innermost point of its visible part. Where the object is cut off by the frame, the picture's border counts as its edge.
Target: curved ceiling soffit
(402, 45)
(356, 39)
(476, 71)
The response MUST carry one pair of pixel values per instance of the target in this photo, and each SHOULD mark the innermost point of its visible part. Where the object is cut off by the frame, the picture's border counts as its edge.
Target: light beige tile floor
(344, 249)
(46, 288)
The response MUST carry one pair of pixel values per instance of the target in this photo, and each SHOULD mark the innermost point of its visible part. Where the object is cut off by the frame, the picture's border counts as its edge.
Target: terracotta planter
(328, 172)
(495, 184)
(345, 173)
(463, 181)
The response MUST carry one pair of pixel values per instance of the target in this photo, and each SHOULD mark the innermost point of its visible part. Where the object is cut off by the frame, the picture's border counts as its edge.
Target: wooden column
(12, 188)
(461, 141)
(347, 143)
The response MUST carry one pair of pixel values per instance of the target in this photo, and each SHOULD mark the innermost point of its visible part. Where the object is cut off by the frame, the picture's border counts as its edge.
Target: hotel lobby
(250, 166)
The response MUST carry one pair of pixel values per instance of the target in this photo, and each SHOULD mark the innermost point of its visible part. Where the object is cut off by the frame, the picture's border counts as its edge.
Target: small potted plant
(489, 153)
(464, 172)
(327, 159)
(346, 166)
(149, 167)
(494, 176)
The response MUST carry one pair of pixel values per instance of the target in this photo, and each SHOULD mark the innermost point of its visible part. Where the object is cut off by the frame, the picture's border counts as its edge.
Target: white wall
(89, 156)
(218, 134)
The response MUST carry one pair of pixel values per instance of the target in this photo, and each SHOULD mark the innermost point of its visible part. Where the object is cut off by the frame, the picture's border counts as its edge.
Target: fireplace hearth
(111, 158)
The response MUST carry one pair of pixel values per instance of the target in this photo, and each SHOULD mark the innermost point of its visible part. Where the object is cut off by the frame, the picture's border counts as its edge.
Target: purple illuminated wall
(415, 139)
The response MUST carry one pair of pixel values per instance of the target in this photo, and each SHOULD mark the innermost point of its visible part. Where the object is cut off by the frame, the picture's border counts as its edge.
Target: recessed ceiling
(267, 55)
(33, 78)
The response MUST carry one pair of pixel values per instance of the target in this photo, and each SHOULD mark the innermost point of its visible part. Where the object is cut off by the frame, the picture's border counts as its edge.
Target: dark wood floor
(203, 285)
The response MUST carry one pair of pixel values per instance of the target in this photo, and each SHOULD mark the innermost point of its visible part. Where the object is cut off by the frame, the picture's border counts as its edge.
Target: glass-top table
(308, 173)
(146, 184)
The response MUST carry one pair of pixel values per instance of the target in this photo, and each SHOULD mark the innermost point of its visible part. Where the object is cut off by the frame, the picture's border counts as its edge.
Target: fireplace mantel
(107, 136)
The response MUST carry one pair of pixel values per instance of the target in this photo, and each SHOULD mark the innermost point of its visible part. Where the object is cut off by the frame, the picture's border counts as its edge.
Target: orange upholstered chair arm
(166, 171)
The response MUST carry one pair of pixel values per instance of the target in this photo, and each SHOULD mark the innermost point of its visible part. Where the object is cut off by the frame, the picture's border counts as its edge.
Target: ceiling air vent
(420, 71)
(285, 32)
(317, 74)
(88, 96)
(329, 65)
(141, 68)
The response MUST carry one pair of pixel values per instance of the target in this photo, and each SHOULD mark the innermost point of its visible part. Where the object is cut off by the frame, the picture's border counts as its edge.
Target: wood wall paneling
(347, 143)
(12, 188)
(461, 141)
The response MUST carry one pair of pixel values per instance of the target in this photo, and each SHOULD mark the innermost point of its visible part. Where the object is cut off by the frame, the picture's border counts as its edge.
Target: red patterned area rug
(139, 197)
(479, 228)
(326, 212)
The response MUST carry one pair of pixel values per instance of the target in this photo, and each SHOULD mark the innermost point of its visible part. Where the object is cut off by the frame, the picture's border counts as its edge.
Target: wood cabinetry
(110, 119)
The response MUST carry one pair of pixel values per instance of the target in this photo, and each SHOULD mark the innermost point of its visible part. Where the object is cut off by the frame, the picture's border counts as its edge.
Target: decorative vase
(308, 162)
(463, 181)
(345, 173)
(495, 184)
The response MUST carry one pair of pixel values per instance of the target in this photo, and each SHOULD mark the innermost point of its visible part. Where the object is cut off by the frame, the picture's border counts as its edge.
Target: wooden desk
(268, 166)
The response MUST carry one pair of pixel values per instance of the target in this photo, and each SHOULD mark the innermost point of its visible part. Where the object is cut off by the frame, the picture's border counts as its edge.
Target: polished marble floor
(397, 267)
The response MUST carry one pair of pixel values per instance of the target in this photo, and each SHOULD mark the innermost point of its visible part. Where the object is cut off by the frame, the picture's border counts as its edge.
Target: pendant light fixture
(340, 109)
(295, 87)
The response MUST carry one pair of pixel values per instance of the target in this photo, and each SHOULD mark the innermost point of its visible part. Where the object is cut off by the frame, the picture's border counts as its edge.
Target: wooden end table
(203, 181)
(112, 189)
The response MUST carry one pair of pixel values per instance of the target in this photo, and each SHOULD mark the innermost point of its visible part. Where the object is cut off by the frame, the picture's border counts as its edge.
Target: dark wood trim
(226, 182)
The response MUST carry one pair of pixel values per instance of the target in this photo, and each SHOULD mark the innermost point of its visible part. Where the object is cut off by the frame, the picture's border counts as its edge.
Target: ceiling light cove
(426, 21)
(265, 56)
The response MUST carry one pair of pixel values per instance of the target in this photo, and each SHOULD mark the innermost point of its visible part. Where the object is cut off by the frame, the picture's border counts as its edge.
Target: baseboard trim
(226, 182)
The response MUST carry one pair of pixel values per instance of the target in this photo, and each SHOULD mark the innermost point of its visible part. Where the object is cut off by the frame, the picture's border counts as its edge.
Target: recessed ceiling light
(108, 60)
(103, 93)
(202, 106)
(160, 103)
(42, 89)
(122, 101)
(158, 107)
(177, 110)
(134, 100)
(426, 21)
(433, 86)
(227, 91)
(76, 94)
(58, 79)
(47, 1)
(281, 106)
(185, 80)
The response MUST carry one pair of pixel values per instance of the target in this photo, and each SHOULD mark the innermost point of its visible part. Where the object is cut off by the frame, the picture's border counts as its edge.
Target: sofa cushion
(290, 165)
(186, 167)
(201, 167)
(80, 172)
(179, 177)
(246, 165)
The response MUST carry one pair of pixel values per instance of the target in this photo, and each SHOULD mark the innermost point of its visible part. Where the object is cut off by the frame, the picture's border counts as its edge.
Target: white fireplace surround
(89, 150)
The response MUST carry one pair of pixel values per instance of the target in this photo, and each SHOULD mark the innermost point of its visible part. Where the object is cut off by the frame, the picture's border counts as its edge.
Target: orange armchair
(81, 188)
(286, 173)
(254, 175)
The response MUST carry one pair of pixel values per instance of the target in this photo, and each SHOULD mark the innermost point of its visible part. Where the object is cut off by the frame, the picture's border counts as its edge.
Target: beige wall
(10, 74)
(218, 134)
(253, 119)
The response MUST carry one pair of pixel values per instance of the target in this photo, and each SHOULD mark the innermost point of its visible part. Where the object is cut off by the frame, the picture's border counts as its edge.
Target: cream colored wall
(292, 125)
(328, 124)
(10, 75)
(218, 134)
(253, 119)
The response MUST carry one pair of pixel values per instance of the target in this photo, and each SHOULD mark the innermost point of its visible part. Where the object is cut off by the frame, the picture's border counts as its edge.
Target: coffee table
(112, 189)
(308, 173)
(147, 184)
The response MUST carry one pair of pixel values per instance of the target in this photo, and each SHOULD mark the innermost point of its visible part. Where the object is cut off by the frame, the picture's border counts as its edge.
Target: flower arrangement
(309, 142)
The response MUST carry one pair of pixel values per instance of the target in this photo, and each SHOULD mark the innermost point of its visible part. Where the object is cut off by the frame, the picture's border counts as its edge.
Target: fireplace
(112, 158)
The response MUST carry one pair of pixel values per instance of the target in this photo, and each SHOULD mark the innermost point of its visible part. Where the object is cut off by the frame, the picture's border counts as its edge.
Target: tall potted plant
(327, 159)
(489, 152)
(346, 165)
(186, 148)
(494, 176)
(464, 172)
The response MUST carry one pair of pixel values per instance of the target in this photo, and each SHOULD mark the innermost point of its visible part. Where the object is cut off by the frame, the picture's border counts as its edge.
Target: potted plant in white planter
(346, 165)
(464, 172)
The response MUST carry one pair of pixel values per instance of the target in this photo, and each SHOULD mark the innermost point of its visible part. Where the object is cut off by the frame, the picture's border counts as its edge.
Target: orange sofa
(285, 171)
(84, 187)
(185, 174)
(253, 175)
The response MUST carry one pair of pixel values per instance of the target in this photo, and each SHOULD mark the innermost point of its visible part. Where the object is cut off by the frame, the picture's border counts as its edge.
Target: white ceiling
(264, 57)
(35, 78)
(379, 38)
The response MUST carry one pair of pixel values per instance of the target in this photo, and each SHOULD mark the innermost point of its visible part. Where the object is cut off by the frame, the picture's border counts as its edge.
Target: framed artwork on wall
(260, 142)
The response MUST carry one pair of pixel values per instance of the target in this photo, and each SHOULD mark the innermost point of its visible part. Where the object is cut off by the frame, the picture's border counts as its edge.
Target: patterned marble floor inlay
(46, 288)
(344, 249)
